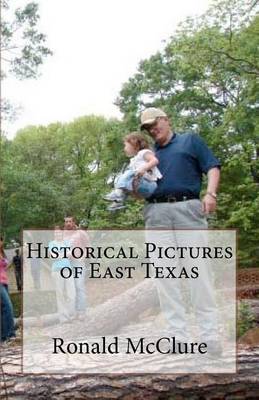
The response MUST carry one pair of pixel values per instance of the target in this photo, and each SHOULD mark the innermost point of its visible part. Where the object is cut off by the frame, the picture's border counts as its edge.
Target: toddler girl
(142, 171)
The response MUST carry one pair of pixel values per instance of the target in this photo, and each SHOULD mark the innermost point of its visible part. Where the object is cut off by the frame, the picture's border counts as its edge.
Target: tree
(23, 48)
(50, 171)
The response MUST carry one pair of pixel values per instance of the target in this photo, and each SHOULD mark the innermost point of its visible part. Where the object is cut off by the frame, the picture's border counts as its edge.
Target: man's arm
(151, 161)
(209, 201)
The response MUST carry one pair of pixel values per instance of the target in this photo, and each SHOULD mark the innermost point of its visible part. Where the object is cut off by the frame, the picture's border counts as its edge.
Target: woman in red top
(7, 320)
(3, 266)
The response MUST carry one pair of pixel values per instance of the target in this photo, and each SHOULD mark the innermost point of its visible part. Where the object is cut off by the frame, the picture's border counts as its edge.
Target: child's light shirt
(58, 264)
(138, 161)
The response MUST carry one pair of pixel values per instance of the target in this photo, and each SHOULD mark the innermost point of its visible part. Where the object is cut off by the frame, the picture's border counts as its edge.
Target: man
(182, 160)
(17, 261)
(175, 205)
(77, 238)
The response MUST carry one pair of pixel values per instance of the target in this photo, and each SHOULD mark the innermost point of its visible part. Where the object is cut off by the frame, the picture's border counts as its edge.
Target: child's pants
(145, 188)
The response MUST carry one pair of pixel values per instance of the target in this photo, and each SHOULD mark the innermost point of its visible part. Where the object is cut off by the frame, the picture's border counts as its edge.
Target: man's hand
(209, 204)
(140, 172)
(135, 185)
(209, 201)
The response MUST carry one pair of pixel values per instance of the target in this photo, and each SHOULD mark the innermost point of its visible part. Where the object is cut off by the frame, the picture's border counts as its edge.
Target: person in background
(7, 329)
(35, 267)
(17, 261)
(77, 238)
(65, 288)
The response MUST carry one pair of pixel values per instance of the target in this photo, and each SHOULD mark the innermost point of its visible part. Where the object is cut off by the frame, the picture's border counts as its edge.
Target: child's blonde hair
(138, 141)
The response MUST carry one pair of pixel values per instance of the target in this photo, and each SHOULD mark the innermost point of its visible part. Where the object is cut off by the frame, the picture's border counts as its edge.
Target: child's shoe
(115, 195)
(111, 196)
(116, 206)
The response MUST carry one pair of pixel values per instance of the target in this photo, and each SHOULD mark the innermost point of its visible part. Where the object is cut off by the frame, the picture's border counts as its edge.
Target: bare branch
(10, 48)
(235, 59)
(5, 59)
(253, 5)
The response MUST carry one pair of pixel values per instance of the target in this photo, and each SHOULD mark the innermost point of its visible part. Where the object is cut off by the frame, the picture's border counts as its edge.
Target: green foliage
(245, 320)
(16, 299)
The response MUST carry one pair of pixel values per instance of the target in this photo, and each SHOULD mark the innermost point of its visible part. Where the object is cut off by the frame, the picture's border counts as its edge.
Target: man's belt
(171, 198)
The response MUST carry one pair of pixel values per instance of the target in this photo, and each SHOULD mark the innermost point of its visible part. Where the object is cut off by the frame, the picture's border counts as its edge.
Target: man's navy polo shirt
(182, 162)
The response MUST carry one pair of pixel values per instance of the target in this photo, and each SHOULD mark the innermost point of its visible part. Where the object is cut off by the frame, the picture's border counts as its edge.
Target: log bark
(243, 385)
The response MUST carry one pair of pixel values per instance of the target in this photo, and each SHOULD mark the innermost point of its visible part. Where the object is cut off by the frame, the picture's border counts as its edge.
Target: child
(142, 170)
(65, 288)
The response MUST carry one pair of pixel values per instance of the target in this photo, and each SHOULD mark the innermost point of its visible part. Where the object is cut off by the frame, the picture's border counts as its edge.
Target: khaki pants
(183, 216)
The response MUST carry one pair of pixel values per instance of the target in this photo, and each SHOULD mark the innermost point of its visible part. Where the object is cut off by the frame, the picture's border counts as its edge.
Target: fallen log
(111, 315)
(243, 385)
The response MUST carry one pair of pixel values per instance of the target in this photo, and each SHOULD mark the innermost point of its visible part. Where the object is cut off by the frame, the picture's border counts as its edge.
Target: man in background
(17, 261)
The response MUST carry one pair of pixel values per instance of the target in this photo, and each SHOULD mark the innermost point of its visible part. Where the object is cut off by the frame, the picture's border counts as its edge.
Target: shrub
(245, 318)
